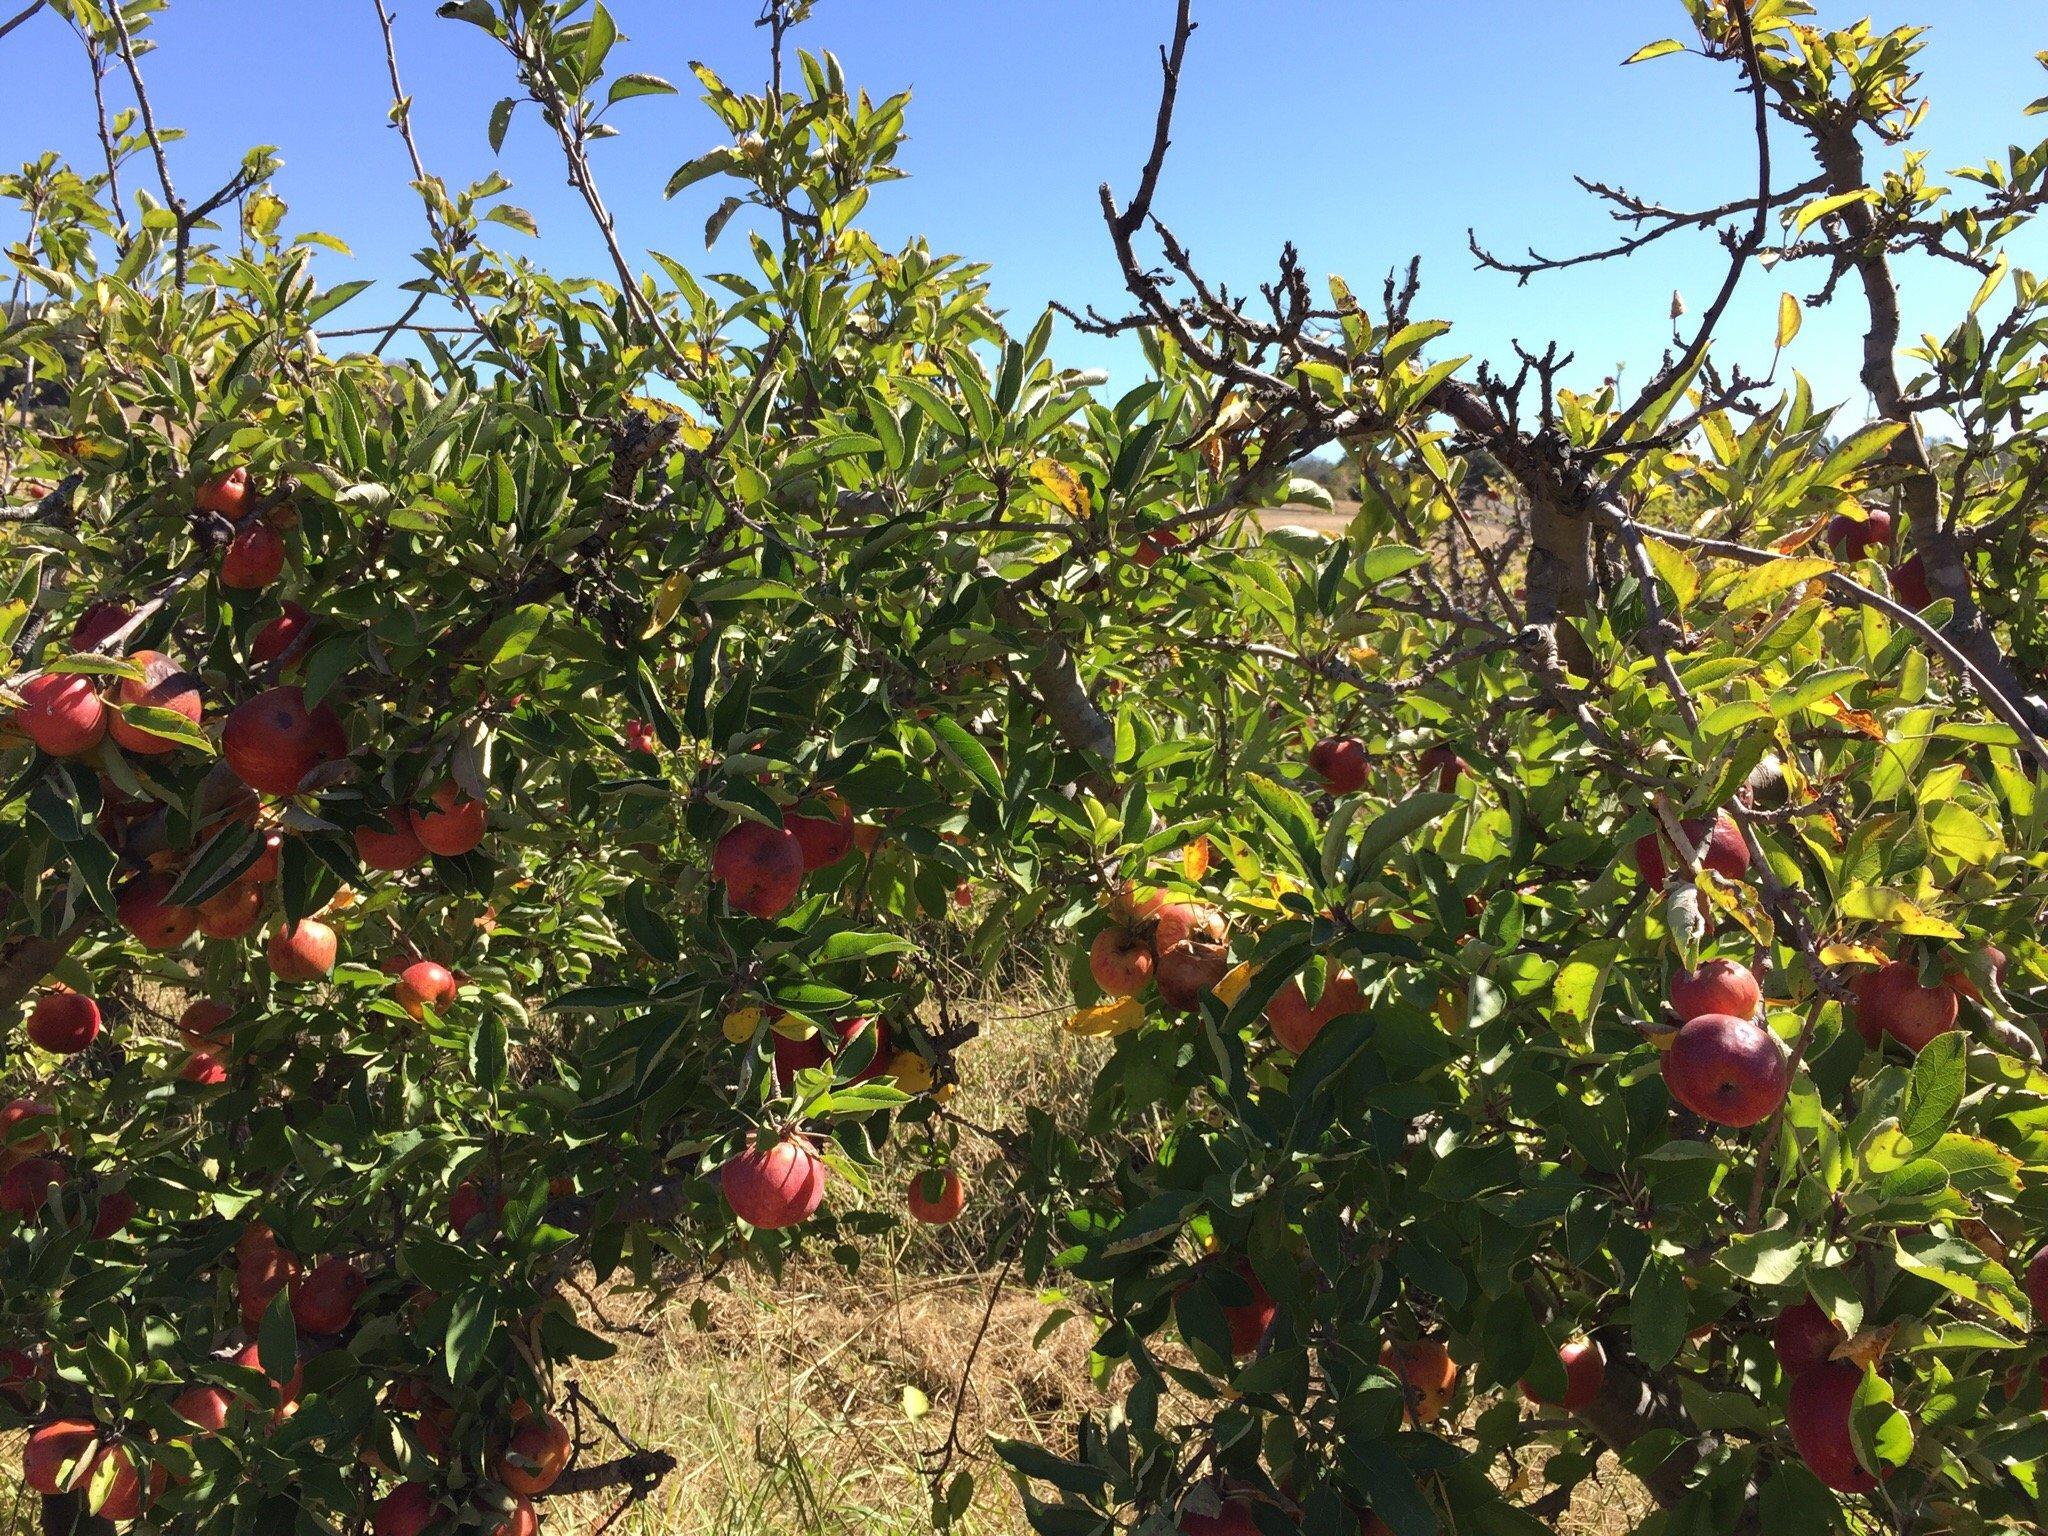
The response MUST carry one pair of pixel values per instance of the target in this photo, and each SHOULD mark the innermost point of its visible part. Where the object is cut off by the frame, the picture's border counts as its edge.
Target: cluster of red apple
(763, 867)
(1857, 538)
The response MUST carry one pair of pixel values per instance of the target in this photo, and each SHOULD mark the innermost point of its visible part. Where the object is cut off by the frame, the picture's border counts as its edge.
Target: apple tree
(491, 792)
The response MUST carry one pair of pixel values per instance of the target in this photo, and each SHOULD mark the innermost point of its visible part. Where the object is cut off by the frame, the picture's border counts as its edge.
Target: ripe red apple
(61, 712)
(794, 1055)
(535, 1456)
(154, 922)
(1294, 1023)
(422, 985)
(273, 741)
(1446, 765)
(1817, 1413)
(1726, 854)
(250, 1358)
(1233, 1518)
(164, 685)
(201, 1021)
(522, 1521)
(1190, 951)
(97, 623)
(264, 869)
(262, 1270)
(301, 951)
(776, 1187)
(1960, 983)
(640, 737)
(204, 1069)
(254, 557)
(391, 847)
(1851, 538)
(64, 1022)
(1891, 1001)
(1804, 1336)
(25, 1187)
(57, 1455)
(282, 639)
(1718, 986)
(324, 1301)
(1727, 1070)
(115, 1209)
(466, 1204)
(1585, 1372)
(937, 1197)
(822, 840)
(231, 913)
(1248, 1320)
(226, 494)
(1154, 545)
(1120, 961)
(406, 1510)
(119, 1471)
(204, 1408)
(1340, 762)
(453, 827)
(1909, 583)
(2037, 1284)
(24, 1130)
(760, 866)
(1427, 1373)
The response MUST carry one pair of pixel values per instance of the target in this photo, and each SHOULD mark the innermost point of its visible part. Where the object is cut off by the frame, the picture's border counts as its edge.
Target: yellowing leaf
(740, 1024)
(1232, 986)
(1194, 859)
(667, 600)
(1762, 583)
(1675, 569)
(1655, 50)
(1065, 487)
(1851, 954)
(1789, 317)
(1117, 1017)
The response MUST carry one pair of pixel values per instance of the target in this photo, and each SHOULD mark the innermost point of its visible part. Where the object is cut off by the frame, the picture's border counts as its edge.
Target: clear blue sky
(1366, 130)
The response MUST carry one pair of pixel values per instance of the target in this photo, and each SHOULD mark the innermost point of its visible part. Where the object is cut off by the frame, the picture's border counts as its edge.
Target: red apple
(1446, 765)
(250, 1358)
(391, 847)
(1726, 854)
(201, 1021)
(1340, 762)
(1154, 545)
(640, 737)
(408, 1510)
(155, 923)
(535, 1456)
(466, 1204)
(273, 741)
(822, 840)
(115, 1209)
(1960, 983)
(937, 1197)
(254, 557)
(422, 985)
(64, 1022)
(1804, 1336)
(1817, 1413)
(61, 712)
(204, 1068)
(1585, 1372)
(24, 1130)
(1851, 538)
(164, 685)
(1190, 951)
(776, 1187)
(98, 623)
(119, 1471)
(760, 866)
(1909, 584)
(324, 1302)
(1427, 1373)
(231, 913)
(301, 951)
(1294, 1023)
(205, 1408)
(1891, 1001)
(1718, 986)
(1120, 961)
(1727, 1070)
(522, 1521)
(57, 1454)
(226, 494)
(453, 826)
(794, 1055)
(264, 869)
(25, 1187)
(1248, 1320)
(282, 638)
(1234, 1518)
(2037, 1284)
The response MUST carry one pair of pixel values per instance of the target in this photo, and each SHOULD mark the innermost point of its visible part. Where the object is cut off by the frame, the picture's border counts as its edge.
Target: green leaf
(1396, 825)
(967, 753)
(471, 1321)
(1935, 1091)
(1659, 1313)
(625, 87)
(1656, 50)
(691, 172)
